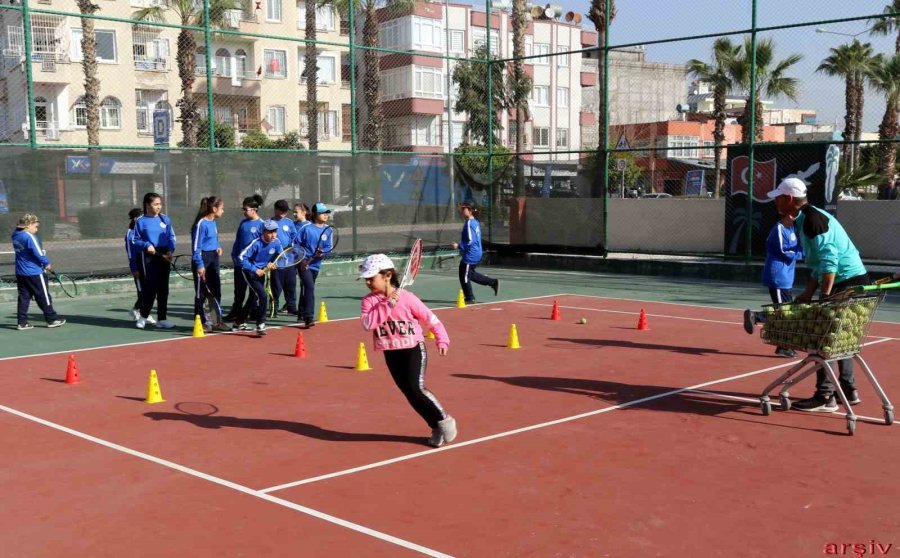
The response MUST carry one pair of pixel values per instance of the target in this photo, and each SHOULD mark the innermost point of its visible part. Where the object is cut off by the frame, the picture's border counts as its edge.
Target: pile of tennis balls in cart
(825, 328)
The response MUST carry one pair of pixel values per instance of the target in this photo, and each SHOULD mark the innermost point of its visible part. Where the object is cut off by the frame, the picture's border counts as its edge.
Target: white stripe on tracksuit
(422, 367)
(44, 287)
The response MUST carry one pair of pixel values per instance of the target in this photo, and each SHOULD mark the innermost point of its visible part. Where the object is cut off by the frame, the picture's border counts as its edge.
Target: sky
(647, 20)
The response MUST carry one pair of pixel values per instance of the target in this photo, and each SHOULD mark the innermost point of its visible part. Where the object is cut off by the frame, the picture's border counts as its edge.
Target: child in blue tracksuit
(256, 259)
(134, 258)
(470, 253)
(783, 250)
(31, 261)
(315, 241)
(155, 238)
(205, 252)
(301, 221)
(248, 230)
(284, 280)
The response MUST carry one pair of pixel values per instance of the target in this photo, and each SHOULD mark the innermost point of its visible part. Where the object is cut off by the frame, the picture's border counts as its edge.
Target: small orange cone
(554, 314)
(72, 371)
(642, 321)
(300, 348)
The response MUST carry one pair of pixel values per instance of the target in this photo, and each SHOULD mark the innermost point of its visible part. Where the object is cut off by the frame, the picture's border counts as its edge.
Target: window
(562, 137)
(542, 50)
(427, 34)
(390, 34)
(427, 130)
(45, 35)
(511, 134)
(146, 102)
(324, 17)
(106, 45)
(457, 41)
(42, 113)
(562, 97)
(151, 53)
(562, 59)
(273, 10)
(80, 113)
(326, 64)
(240, 63)
(276, 63)
(223, 63)
(478, 39)
(276, 119)
(456, 135)
(110, 110)
(542, 137)
(428, 82)
(688, 144)
(541, 95)
(328, 123)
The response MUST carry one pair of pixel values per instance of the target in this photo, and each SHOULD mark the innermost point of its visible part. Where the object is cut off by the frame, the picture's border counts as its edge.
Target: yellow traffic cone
(323, 315)
(198, 327)
(430, 335)
(362, 361)
(460, 300)
(154, 395)
(513, 342)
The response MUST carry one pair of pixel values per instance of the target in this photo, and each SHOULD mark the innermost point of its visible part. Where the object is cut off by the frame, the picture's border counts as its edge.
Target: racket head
(447, 262)
(211, 307)
(413, 264)
(328, 241)
(290, 256)
(196, 408)
(66, 284)
(181, 264)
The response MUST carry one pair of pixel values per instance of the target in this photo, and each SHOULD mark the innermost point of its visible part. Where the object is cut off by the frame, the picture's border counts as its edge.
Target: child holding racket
(316, 241)
(134, 258)
(470, 253)
(248, 230)
(396, 317)
(155, 238)
(256, 259)
(301, 221)
(205, 252)
(31, 261)
(284, 280)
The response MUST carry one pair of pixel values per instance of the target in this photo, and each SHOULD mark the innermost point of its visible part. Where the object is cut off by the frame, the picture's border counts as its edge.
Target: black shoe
(783, 352)
(496, 286)
(749, 321)
(309, 322)
(817, 404)
(852, 397)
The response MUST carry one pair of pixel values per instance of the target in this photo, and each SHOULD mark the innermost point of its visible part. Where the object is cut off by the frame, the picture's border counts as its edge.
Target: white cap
(793, 187)
(373, 265)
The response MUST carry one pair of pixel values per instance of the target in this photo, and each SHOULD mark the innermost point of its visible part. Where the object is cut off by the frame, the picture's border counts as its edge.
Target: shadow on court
(299, 428)
(599, 343)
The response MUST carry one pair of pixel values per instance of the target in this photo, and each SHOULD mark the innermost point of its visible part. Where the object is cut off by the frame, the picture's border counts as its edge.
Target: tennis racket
(446, 262)
(413, 263)
(66, 284)
(182, 266)
(270, 305)
(292, 256)
(211, 307)
(327, 244)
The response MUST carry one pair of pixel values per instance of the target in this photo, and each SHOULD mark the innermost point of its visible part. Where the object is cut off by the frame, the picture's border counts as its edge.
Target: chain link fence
(570, 130)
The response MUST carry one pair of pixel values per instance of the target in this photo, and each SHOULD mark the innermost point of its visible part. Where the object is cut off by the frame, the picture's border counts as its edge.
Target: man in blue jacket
(31, 261)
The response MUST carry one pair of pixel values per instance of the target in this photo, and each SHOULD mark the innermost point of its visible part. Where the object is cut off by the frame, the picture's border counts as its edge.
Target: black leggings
(156, 285)
(407, 367)
(213, 281)
(258, 299)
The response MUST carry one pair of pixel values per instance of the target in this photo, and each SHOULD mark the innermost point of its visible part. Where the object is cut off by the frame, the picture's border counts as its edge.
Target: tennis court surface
(592, 439)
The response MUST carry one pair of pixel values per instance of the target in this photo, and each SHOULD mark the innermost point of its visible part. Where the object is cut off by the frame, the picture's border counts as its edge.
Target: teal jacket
(829, 250)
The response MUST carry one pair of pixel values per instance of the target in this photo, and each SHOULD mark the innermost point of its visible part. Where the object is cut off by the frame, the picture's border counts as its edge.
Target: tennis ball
(582, 321)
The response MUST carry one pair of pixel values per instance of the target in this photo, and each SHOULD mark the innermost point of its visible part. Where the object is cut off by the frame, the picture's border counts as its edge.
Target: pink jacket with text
(400, 327)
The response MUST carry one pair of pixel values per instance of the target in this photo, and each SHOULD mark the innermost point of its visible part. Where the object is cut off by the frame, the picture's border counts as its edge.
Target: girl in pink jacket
(394, 317)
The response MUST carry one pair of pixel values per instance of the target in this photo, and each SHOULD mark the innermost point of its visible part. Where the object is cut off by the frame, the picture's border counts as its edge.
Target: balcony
(151, 64)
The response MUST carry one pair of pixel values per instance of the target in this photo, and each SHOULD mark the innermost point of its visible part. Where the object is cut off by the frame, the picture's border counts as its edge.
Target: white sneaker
(136, 314)
(141, 322)
(165, 324)
(448, 429)
(150, 320)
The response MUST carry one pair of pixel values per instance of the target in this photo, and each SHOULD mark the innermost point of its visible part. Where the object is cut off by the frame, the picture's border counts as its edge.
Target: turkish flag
(763, 177)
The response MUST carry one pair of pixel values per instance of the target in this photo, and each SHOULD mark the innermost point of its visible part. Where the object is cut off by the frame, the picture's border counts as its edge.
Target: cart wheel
(889, 417)
(785, 403)
(766, 407)
(851, 426)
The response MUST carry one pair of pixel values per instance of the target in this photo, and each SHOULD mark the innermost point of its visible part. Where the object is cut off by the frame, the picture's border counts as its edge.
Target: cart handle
(876, 287)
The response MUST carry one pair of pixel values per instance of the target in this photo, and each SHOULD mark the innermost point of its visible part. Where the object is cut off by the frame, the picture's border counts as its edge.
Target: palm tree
(188, 13)
(312, 77)
(771, 80)
(91, 92)
(887, 25)
(716, 74)
(602, 20)
(518, 28)
(853, 62)
(885, 78)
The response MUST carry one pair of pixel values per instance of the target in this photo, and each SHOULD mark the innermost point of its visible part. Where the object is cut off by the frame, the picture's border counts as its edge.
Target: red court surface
(591, 440)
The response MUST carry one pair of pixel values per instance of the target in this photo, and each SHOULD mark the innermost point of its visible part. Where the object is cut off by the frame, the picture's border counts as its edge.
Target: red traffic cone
(72, 371)
(642, 321)
(300, 348)
(554, 314)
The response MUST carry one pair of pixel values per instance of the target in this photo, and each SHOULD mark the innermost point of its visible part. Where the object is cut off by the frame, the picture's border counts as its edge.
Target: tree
(771, 80)
(224, 134)
(716, 74)
(602, 21)
(519, 25)
(91, 92)
(472, 162)
(188, 13)
(888, 25)
(853, 62)
(885, 78)
(312, 77)
(632, 172)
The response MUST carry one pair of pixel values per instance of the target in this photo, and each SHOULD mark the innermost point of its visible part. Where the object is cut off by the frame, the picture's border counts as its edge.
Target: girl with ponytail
(205, 252)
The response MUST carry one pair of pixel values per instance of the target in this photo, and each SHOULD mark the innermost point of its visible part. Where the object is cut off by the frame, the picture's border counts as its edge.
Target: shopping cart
(829, 330)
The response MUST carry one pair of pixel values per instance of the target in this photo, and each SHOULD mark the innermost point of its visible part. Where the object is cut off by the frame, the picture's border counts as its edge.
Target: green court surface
(104, 319)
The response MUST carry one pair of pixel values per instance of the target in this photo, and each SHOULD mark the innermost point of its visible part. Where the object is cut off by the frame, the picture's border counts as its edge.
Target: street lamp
(830, 32)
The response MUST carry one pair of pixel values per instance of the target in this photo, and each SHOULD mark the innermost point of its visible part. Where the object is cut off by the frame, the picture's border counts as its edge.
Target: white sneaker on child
(141, 323)
(150, 320)
(448, 429)
(136, 314)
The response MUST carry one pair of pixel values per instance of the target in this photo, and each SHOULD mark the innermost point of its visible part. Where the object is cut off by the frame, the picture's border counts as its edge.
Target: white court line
(228, 484)
(529, 428)
(755, 402)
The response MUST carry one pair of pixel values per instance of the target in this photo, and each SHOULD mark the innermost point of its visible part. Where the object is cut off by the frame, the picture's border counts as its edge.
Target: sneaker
(447, 428)
(136, 313)
(207, 327)
(141, 323)
(852, 397)
(260, 329)
(817, 404)
(784, 352)
(437, 439)
(163, 324)
(749, 321)
(24, 327)
(56, 323)
(309, 322)
(240, 327)
(150, 320)
(471, 301)
(496, 286)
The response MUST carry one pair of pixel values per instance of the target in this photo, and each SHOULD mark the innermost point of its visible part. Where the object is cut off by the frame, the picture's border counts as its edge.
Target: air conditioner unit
(234, 18)
(52, 133)
(48, 65)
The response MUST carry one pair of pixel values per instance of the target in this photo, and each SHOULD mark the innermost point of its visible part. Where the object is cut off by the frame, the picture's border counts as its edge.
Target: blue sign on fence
(161, 125)
(693, 183)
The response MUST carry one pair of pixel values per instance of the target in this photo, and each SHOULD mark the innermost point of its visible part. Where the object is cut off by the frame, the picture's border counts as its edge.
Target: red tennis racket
(412, 264)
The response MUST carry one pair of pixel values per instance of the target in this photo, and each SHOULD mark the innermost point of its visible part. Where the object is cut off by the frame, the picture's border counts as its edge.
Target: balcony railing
(151, 64)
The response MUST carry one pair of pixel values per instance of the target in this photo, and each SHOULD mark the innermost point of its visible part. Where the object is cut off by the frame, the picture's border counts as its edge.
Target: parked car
(363, 203)
(656, 195)
(848, 195)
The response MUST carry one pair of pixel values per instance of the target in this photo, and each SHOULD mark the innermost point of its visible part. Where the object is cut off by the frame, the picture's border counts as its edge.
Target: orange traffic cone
(554, 314)
(300, 347)
(72, 371)
(642, 321)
